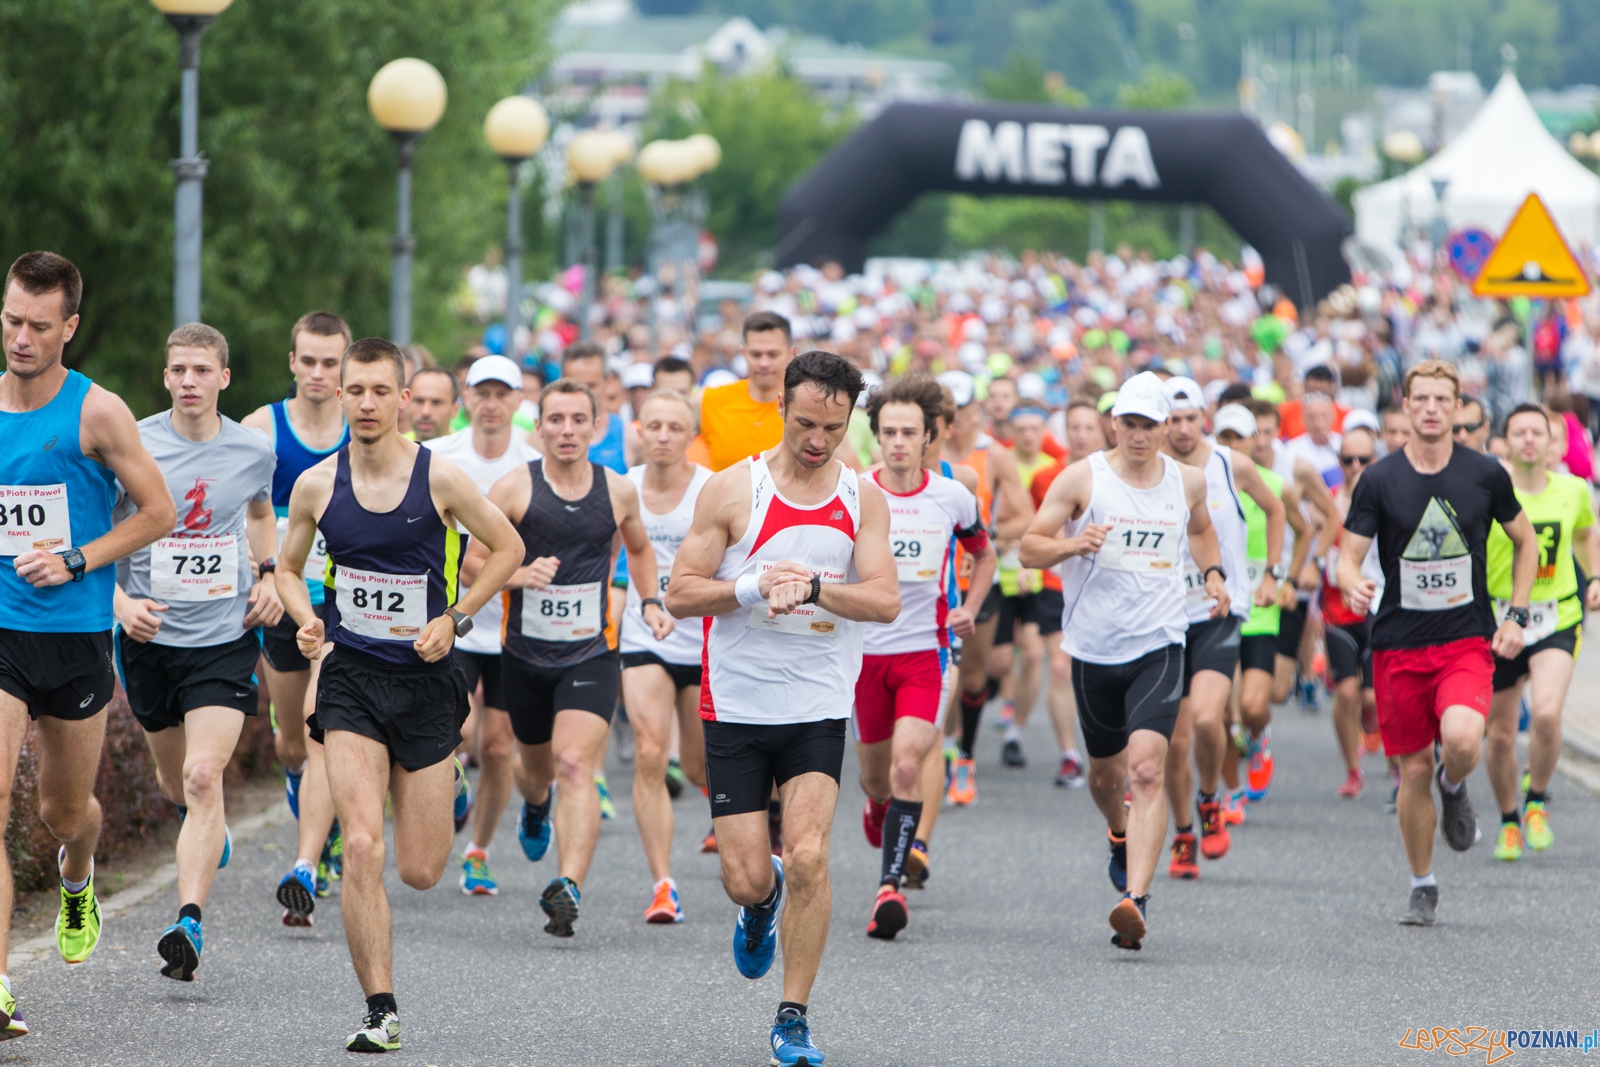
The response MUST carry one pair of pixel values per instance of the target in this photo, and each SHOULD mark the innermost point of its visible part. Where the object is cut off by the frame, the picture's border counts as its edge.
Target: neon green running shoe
(1526, 782)
(608, 810)
(1539, 835)
(380, 1032)
(10, 1014)
(78, 924)
(1508, 846)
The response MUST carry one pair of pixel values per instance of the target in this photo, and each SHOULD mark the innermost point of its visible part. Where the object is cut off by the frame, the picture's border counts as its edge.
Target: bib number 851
(561, 609)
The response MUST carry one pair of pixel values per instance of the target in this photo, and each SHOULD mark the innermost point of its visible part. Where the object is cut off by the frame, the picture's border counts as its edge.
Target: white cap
(1143, 394)
(1030, 387)
(719, 377)
(494, 369)
(1185, 394)
(1361, 419)
(961, 386)
(1234, 417)
(638, 376)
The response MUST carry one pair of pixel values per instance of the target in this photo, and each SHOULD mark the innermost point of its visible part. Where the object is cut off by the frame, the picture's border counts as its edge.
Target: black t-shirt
(1431, 530)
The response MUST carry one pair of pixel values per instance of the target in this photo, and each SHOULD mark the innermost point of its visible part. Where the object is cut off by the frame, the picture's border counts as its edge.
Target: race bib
(194, 568)
(34, 518)
(1195, 597)
(384, 607)
(1436, 585)
(316, 569)
(1542, 617)
(806, 620)
(1141, 544)
(918, 552)
(563, 612)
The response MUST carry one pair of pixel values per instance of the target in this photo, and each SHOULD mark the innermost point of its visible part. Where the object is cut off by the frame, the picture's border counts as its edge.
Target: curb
(120, 903)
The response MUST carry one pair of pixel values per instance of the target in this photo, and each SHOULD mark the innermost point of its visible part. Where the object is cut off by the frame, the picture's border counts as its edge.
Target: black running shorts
(745, 760)
(64, 676)
(1043, 609)
(1291, 624)
(1509, 672)
(480, 666)
(1259, 652)
(416, 711)
(278, 643)
(1212, 645)
(535, 694)
(1349, 654)
(990, 605)
(165, 683)
(683, 675)
(1116, 699)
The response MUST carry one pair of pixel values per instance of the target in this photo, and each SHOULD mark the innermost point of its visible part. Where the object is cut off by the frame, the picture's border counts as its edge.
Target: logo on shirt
(199, 516)
(1548, 537)
(48, 445)
(1437, 536)
(836, 516)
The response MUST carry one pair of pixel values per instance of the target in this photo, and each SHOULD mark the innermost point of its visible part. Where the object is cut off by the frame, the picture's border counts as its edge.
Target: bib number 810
(14, 515)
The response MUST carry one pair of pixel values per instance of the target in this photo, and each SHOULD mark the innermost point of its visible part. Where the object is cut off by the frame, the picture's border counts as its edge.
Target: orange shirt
(1292, 421)
(1038, 482)
(734, 426)
(699, 452)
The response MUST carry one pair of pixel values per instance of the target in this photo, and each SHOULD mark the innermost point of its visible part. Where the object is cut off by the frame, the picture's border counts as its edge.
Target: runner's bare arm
(1203, 546)
(510, 495)
(310, 496)
(1508, 640)
(1287, 593)
(261, 530)
(1063, 502)
(963, 620)
(966, 476)
(641, 554)
(1314, 491)
(1013, 510)
(260, 419)
(722, 507)
(1255, 487)
(1358, 591)
(458, 500)
(1587, 551)
(138, 616)
(876, 596)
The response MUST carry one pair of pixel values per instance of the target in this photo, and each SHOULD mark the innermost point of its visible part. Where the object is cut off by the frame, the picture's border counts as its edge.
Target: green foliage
(1159, 90)
(1014, 224)
(1024, 79)
(299, 203)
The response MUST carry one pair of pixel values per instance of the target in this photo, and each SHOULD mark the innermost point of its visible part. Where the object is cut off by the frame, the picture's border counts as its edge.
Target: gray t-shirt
(202, 570)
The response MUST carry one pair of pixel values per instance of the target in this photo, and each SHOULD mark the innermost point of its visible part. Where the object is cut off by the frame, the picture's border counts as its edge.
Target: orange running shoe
(1184, 863)
(888, 914)
(918, 866)
(963, 782)
(1233, 808)
(664, 906)
(1352, 784)
(1258, 778)
(1127, 919)
(710, 842)
(1372, 742)
(1214, 839)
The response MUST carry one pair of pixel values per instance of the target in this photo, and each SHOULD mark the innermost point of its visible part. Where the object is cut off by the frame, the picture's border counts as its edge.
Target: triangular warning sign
(1531, 259)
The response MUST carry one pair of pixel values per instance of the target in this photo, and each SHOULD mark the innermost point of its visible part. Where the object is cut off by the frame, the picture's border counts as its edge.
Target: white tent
(1504, 154)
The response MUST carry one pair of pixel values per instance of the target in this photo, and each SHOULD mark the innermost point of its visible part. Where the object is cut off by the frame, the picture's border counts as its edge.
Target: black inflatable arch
(1029, 150)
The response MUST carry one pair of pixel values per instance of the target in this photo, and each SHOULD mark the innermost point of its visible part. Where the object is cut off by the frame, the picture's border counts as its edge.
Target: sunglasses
(1468, 427)
(1360, 461)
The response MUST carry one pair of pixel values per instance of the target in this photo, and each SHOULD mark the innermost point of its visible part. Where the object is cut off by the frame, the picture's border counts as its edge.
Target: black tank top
(565, 622)
(389, 572)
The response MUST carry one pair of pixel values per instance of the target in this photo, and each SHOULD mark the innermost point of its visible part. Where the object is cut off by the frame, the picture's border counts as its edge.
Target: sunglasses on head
(1357, 460)
(1467, 427)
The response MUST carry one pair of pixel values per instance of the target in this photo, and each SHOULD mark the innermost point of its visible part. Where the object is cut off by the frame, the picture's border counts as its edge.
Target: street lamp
(190, 18)
(516, 128)
(407, 98)
(591, 156)
(678, 213)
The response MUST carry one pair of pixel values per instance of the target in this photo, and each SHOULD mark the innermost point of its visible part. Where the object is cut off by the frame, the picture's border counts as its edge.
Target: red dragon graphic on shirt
(199, 516)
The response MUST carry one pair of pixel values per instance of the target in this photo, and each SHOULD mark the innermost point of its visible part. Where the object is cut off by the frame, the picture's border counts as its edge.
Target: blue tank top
(390, 572)
(952, 592)
(610, 451)
(294, 459)
(53, 497)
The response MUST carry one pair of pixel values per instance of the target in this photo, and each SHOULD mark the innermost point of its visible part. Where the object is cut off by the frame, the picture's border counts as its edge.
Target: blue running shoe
(533, 829)
(463, 809)
(298, 895)
(180, 947)
(1118, 867)
(560, 901)
(227, 847)
(291, 791)
(791, 1042)
(755, 936)
(476, 879)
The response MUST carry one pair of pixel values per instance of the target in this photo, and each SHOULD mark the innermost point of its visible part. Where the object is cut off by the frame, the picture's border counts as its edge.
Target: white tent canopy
(1504, 154)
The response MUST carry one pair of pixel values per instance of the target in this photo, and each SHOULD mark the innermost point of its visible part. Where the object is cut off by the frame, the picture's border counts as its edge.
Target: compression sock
(791, 1009)
(899, 830)
(769, 903)
(971, 714)
(383, 1002)
(1511, 818)
(1184, 829)
(1533, 796)
(992, 690)
(1418, 881)
(189, 911)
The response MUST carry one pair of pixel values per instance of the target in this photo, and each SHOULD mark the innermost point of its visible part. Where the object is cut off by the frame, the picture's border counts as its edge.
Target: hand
(1267, 592)
(436, 639)
(1508, 640)
(786, 596)
(265, 606)
(661, 624)
(42, 569)
(1592, 597)
(310, 637)
(1287, 595)
(1217, 589)
(540, 572)
(1310, 578)
(1358, 598)
(962, 622)
(1089, 541)
(139, 618)
(783, 571)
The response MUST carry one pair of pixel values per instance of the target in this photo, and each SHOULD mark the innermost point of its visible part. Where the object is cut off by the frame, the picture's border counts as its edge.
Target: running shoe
(180, 947)
(476, 878)
(755, 935)
(333, 851)
(534, 830)
(11, 1024)
(918, 866)
(1258, 777)
(1070, 776)
(1184, 864)
(1214, 839)
(560, 901)
(1372, 743)
(297, 892)
(709, 842)
(1127, 919)
(888, 914)
(463, 807)
(675, 778)
(1011, 754)
(1241, 740)
(1353, 781)
(963, 783)
(78, 923)
(1457, 818)
(227, 847)
(664, 906)
(1117, 868)
(608, 810)
(1508, 846)
(1424, 903)
(873, 813)
(291, 791)
(1008, 714)
(622, 736)
(1307, 694)
(791, 1043)
(324, 879)
(380, 1032)
(1526, 783)
(1538, 820)
(1233, 807)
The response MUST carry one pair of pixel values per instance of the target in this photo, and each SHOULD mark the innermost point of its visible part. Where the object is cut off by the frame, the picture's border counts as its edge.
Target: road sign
(1532, 259)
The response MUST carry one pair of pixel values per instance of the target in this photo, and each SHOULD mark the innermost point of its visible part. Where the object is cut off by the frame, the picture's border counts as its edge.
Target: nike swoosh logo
(410, 521)
(569, 507)
(242, 693)
(87, 701)
(576, 684)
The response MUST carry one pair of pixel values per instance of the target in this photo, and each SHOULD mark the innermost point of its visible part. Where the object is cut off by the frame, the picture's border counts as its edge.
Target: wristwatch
(816, 589)
(463, 621)
(73, 558)
(267, 566)
(1278, 571)
(647, 601)
(1518, 616)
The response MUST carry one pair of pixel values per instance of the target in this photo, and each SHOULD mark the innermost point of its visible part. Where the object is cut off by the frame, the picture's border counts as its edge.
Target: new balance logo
(836, 515)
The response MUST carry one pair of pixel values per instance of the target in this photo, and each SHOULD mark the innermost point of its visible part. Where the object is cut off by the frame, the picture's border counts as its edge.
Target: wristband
(1207, 572)
(747, 589)
(647, 601)
(1292, 580)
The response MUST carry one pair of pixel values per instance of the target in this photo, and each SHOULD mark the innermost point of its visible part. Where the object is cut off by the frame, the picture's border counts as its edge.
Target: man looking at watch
(1434, 638)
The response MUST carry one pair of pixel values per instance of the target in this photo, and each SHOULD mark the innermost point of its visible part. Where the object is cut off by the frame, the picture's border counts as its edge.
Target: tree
(1159, 90)
(1024, 80)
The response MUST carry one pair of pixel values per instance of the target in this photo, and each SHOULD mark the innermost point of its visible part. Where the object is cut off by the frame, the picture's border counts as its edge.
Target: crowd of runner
(878, 506)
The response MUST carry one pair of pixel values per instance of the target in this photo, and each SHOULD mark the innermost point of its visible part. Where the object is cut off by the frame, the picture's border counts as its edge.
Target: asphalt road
(1285, 952)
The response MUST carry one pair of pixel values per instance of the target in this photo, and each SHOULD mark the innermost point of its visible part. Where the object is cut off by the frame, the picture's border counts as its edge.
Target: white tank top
(800, 667)
(1126, 600)
(1227, 517)
(682, 645)
(921, 525)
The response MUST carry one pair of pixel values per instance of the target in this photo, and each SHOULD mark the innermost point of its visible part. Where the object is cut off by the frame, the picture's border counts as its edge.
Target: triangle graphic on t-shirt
(1437, 536)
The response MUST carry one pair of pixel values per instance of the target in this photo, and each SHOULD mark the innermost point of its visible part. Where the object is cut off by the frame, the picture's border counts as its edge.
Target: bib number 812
(378, 600)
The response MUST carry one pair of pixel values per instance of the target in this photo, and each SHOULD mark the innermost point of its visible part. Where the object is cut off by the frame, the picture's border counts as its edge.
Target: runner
(305, 429)
(1131, 516)
(187, 609)
(390, 700)
(434, 402)
(661, 679)
(898, 694)
(1471, 425)
(560, 676)
(769, 560)
(1559, 508)
(64, 441)
(1212, 646)
(1429, 507)
(487, 450)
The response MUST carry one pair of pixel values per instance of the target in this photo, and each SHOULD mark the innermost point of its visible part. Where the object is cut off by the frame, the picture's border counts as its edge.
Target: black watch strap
(816, 589)
(267, 566)
(647, 601)
(1214, 567)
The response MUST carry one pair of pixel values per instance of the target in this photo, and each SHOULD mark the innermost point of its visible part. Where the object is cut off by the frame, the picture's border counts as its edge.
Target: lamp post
(678, 210)
(591, 156)
(407, 97)
(516, 128)
(190, 18)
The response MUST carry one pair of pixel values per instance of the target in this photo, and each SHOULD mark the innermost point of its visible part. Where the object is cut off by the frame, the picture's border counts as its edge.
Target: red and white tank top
(800, 667)
(921, 525)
